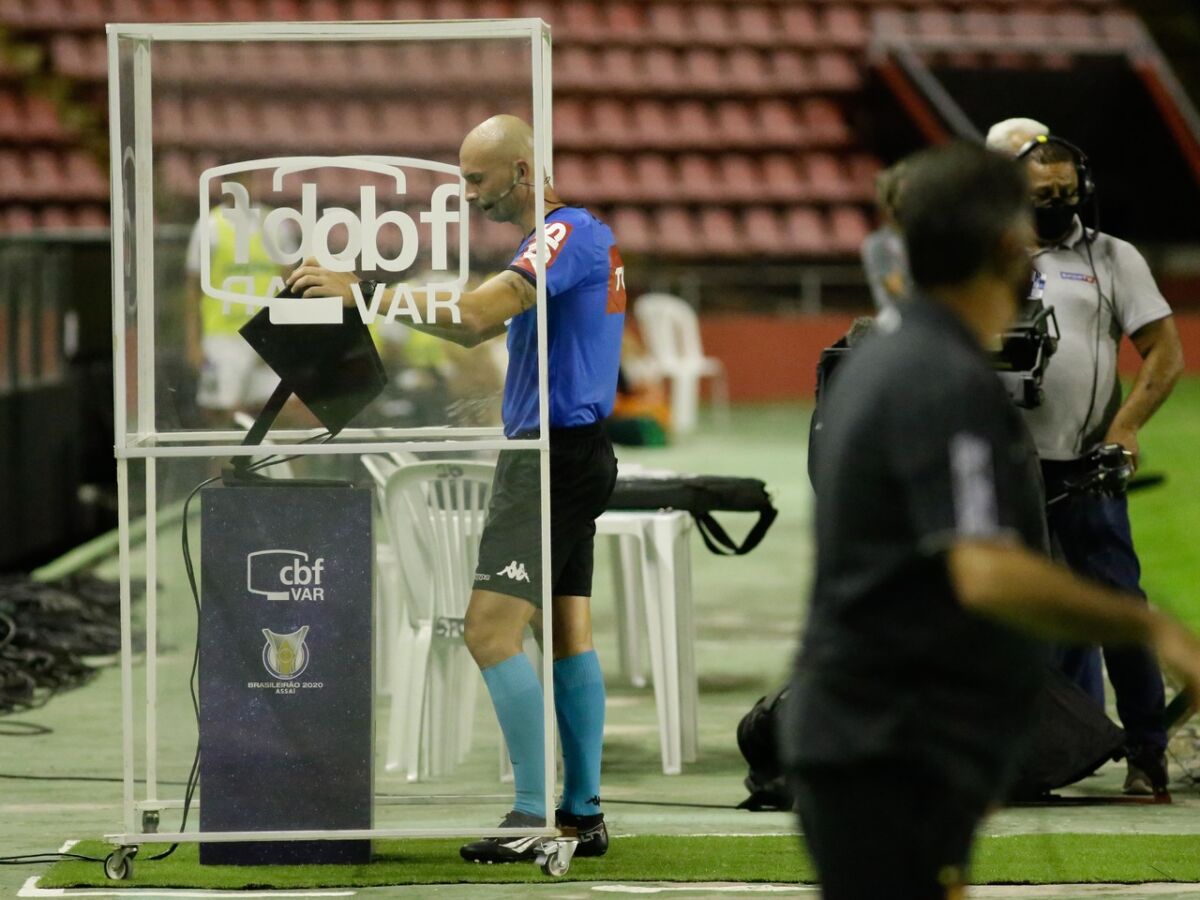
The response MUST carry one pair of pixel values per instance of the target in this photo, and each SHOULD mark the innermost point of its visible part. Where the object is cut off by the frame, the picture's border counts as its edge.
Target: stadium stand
(699, 128)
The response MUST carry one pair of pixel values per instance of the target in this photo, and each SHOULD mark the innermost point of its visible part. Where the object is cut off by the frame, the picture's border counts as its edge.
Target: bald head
(496, 161)
(500, 139)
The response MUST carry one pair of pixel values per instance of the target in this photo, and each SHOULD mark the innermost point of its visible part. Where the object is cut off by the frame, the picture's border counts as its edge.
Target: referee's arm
(1009, 583)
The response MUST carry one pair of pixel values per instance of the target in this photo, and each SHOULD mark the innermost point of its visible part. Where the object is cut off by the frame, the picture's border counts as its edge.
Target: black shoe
(592, 832)
(507, 850)
(1146, 773)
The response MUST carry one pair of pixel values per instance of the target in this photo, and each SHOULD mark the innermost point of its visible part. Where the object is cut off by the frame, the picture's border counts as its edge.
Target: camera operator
(914, 685)
(1100, 289)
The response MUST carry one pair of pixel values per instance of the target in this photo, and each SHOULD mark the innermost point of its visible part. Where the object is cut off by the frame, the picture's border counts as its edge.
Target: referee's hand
(311, 280)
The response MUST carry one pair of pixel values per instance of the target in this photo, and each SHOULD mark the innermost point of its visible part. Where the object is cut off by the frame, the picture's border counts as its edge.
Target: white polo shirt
(1123, 300)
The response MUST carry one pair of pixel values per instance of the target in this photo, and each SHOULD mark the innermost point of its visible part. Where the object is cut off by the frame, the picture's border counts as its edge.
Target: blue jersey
(585, 319)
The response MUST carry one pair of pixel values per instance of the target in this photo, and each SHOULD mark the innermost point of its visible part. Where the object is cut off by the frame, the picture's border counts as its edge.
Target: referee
(585, 291)
(921, 656)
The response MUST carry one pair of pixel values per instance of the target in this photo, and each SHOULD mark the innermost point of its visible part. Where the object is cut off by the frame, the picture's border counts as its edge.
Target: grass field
(748, 613)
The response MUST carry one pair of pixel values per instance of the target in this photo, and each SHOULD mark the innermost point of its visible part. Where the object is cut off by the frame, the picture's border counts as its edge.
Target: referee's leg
(494, 632)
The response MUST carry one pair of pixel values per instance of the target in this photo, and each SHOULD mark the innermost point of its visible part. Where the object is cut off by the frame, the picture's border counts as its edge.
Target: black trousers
(886, 830)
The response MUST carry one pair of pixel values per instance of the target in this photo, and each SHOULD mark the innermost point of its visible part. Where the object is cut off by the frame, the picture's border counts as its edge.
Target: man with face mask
(1101, 289)
(913, 689)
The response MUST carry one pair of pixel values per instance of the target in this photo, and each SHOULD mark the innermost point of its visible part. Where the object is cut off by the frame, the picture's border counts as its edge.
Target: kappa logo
(359, 233)
(515, 571)
(285, 575)
(286, 655)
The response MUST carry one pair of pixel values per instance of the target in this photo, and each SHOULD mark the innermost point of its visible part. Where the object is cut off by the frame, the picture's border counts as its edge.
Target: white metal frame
(149, 445)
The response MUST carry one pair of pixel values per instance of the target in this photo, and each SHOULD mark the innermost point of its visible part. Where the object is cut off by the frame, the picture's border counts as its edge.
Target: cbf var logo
(383, 234)
(285, 655)
(285, 575)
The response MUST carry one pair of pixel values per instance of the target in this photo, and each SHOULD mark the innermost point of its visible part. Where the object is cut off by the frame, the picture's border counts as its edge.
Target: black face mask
(1053, 220)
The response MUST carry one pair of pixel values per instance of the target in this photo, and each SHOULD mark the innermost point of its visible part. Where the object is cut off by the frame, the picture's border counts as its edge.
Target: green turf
(1019, 859)
(1166, 520)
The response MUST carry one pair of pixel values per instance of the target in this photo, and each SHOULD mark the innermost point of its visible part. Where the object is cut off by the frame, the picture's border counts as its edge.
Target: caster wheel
(555, 857)
(118, 865)
(555, 866)
(150, 821)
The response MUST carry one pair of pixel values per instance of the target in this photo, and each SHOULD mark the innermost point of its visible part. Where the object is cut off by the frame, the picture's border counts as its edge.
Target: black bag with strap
(702, 495)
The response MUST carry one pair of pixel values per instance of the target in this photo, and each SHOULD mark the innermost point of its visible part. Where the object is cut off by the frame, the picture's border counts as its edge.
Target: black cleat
(591, 830)
(507, 850)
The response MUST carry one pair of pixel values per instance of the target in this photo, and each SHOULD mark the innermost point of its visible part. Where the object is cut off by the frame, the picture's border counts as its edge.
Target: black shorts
(583, 472)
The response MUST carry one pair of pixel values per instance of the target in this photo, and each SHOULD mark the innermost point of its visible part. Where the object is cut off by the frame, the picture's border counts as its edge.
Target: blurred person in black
(921, 655)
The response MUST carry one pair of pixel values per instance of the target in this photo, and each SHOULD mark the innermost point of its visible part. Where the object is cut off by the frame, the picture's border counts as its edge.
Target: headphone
(1083, 168)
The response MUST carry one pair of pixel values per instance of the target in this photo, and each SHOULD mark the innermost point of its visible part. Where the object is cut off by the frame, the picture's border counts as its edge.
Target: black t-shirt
(920, 446)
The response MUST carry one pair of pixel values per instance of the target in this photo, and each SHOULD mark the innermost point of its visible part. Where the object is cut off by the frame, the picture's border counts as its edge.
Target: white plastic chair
(435, 513)
(671, 330)
(391, 592)
(652, 579)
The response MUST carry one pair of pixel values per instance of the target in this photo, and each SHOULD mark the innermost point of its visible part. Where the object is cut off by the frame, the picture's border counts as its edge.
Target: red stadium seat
(632, 229)
(572, 175)
(804, 233)
(781, 178)
(741, 124)
(747, 70)
(836, 71)
(580, 21)
(799, 24)
(367, 10)
(698, 179)
(710, 22)
(47, 181)
(13, 177)
(694, 126)
(570, 122)
(739, 178)
(625, 22)
(667, 22)
(676, 233)
(826, 179)
(791, 71)
(92, 217)
(19, 219)
(575, 67)
(610, 123)
(763, 231)
(663, 71)
(778, 122)
(719, 232)
(84, 175)
(824, 122)
(656, 179)
(755, 24)
(619, 70)
(844, 25)
(849, 226)
(703, 70)
(613, 179)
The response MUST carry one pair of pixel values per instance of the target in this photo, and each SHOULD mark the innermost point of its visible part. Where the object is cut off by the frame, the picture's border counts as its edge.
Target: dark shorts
(885, 830)
(583, 471)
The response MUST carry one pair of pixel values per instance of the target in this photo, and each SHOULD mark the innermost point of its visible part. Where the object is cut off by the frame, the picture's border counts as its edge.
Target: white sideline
(31, 889)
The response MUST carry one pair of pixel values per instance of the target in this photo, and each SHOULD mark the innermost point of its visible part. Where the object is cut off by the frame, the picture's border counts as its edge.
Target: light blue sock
(517, 699)
(579, 703)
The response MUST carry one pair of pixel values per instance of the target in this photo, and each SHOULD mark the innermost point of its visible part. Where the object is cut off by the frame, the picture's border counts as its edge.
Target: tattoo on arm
(526, 292)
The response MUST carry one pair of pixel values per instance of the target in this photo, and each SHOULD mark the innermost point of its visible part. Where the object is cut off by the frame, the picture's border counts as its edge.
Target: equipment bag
(1071, 738)
(756, 736)
(701, 495)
